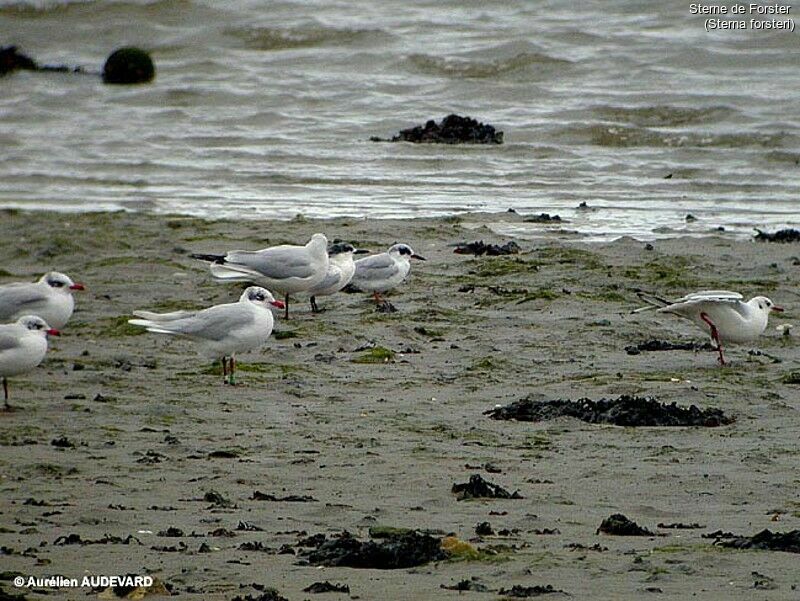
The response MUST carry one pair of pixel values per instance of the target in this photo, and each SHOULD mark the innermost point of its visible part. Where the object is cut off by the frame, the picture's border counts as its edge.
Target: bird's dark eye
(57, 284)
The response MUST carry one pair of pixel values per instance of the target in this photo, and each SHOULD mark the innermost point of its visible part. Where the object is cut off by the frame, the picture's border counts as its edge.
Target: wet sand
(155, 432)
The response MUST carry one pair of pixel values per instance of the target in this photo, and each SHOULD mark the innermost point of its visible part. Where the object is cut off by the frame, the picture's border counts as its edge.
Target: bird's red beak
(77, 286)
(53, 332)
(277, 303)
(778, 309)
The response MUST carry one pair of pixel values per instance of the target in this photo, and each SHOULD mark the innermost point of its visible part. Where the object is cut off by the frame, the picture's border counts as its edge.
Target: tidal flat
(127, 454)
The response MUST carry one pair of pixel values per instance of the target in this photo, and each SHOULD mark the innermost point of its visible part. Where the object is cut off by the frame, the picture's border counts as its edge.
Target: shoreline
(503, 223)
(153, 432)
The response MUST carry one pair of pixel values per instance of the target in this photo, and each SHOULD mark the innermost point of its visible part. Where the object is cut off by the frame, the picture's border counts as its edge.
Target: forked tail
(653, 301)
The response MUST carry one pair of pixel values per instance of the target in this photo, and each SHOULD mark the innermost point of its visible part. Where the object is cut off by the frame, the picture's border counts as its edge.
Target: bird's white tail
(231, 273)
(151, 327)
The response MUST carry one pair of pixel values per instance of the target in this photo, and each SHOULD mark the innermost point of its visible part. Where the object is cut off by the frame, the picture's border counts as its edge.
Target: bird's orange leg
(714, 335)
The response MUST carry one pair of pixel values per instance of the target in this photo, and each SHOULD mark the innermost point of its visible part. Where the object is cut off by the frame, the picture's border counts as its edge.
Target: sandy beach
(363, 419)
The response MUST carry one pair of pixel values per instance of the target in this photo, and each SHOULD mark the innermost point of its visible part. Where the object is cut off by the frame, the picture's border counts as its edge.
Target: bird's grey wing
(331, 279)
(164, 317)
(743, 309)
(278, 263)
(696, 302)
(214, 323)
(8, 341)
(16, 297)
(376, 267)
(712, 295)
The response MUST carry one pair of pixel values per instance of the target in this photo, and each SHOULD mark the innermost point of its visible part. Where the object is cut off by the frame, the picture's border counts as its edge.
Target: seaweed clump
(655, 344)
(454, 129)
(789, 234)
(766, 540)
(479, 248)
(478, 488)
(626, 410)
(619, 525)
(525, 592)
(396, 552)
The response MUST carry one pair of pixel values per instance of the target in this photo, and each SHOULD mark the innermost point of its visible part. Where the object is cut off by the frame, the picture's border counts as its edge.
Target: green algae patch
(500, 266)
(792, 377)
(378, 354)
(117, 327)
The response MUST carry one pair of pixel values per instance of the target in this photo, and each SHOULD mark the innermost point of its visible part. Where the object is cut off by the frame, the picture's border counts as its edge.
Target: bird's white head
(762, 303)
(318, 240)
(34, 323)
(260, 296)
(61, 282)
(404, 250)
(341, 248)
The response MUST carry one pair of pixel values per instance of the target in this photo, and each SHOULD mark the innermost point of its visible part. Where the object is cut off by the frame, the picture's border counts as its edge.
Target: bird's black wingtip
(209, 258)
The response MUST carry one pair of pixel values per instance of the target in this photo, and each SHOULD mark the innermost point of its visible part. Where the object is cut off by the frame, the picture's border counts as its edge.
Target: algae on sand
(377, 354)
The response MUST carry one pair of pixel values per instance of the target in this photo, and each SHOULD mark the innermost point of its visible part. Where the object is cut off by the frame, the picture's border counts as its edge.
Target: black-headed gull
(222, 330)
(340, 271)
(23, 345)
(50, 298)
(720, 313)
(380, 273)
(286, 269)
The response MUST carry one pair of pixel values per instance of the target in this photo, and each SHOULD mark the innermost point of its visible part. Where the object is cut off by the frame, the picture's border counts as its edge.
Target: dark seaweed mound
(618, 525)
(478, 488)
(785, 235)
(525, 592)
(624, 411)
(327, 587)
(665, 345)
(479, 248)
(543, 218)
(453, 129)
(405, 550)
(766, 540)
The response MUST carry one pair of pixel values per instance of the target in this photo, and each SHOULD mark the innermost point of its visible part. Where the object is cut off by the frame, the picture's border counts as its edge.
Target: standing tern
(222, 330)
(286, 269)
(340, 271)
(380, 273)
(23, 345)
(720, 313)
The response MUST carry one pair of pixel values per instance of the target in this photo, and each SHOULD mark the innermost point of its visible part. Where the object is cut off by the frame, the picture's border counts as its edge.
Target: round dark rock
(129, 65)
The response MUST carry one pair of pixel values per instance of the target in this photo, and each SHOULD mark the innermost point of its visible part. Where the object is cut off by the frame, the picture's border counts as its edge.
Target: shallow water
(264, 110)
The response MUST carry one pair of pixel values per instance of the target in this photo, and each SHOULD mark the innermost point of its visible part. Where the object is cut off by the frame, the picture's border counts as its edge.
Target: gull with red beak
(23, 345)
(221, 331)
(380, 273)
(50, 298)
(720, 313)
